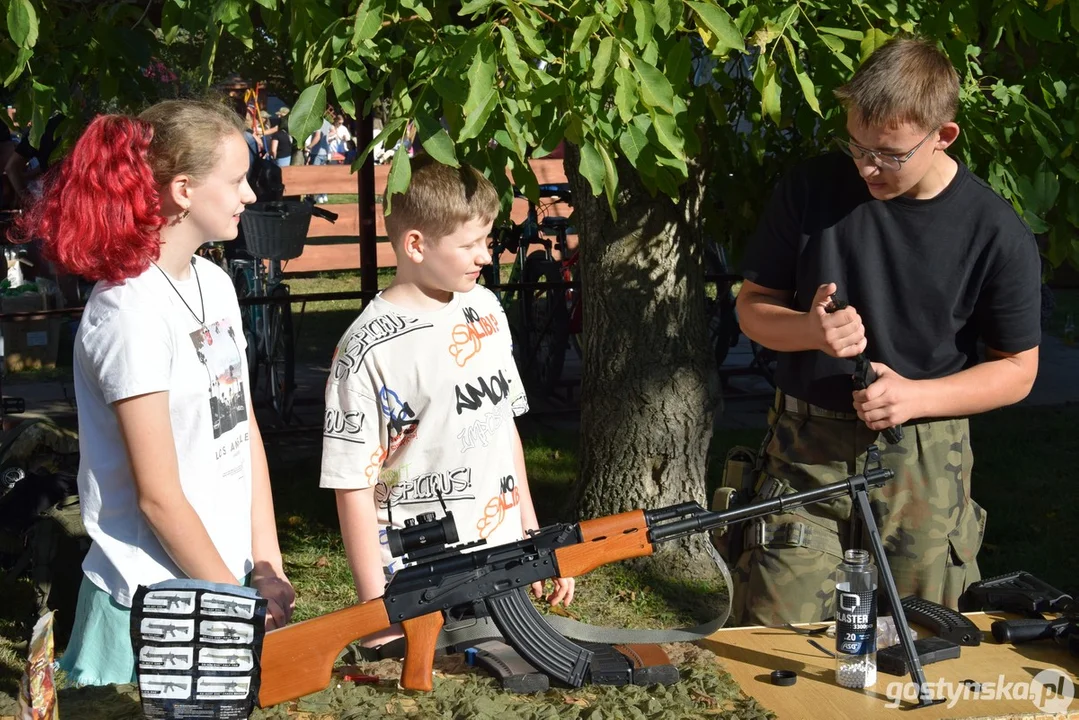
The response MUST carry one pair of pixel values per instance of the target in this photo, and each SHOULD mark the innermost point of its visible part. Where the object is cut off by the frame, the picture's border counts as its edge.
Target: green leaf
(806, 84)
(1039, 196)
(306, 115)
(209, 52)
(20, 65)
(474, 6)
(770, 93)
(720, 24)
(610, 178)
(665, 14)
(744, 22)
(528, 30)
(481, 78)
(679, 63)
(239, 26)
(388, 136)
(356, 72)
(436, 141)
(656, 90)
(368, 21)
(874, 38)
(583, 33)
(342, 89)
(625, 94)
(513, 54)
(632, 142)
(834, 44)
(550, 141)
(592, 167)
(1037, 225)
(171, 17)
(22, 23)
(43, 108)
(399, 178)
(667, 131)
(417, 7)
(843, 33)
(601, 66)
(643, 20)
(475, 121)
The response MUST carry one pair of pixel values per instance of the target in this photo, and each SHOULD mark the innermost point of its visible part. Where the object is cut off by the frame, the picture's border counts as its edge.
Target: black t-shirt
(284, 140)
(928, 277)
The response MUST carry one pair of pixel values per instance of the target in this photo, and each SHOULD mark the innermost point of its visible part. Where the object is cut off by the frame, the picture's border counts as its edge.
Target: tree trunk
(648, 389)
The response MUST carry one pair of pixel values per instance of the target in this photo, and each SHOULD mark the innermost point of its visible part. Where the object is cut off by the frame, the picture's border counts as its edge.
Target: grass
(323, 322)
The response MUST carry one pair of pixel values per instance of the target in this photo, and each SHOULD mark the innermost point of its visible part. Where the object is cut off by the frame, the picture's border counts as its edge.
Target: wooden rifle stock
(605, 540)
(298, 659)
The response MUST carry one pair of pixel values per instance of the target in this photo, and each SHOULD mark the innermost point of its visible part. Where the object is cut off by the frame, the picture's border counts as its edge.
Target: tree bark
(648, 389)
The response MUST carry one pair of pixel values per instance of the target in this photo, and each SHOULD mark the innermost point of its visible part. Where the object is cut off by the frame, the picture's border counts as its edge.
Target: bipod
(860, 496)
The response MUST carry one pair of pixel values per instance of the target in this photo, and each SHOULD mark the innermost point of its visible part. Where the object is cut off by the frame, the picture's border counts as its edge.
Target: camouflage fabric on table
(932, 529)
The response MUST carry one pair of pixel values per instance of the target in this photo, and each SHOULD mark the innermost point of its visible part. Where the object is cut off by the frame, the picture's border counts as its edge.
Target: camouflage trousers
(931, 528)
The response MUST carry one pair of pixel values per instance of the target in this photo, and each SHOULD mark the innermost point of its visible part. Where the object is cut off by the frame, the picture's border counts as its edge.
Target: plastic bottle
(1069, 330)
(856, 621)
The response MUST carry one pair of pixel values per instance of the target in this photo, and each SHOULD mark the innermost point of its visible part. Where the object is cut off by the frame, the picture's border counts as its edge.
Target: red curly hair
(100, 213)
(99, 216)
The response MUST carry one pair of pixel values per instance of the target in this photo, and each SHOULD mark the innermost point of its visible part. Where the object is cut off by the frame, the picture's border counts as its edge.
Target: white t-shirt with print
(424, 402)
(137, 337)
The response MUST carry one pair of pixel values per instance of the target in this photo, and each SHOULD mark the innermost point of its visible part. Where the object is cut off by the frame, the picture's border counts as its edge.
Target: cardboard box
(32, 343)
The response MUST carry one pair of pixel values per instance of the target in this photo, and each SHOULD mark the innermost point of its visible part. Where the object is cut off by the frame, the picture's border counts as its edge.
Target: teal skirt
(100, 649)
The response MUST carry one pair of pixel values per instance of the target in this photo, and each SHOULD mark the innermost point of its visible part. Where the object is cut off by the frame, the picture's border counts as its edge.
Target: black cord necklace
(202, 301)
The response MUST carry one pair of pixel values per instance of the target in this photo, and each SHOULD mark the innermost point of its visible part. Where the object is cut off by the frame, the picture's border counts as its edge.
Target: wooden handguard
(605, 540)
(421, 634)
(298, 659)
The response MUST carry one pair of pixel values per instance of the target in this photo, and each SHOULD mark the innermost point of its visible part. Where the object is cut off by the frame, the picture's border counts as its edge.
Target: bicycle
(723, 329)
(274, 232)
(548, 309)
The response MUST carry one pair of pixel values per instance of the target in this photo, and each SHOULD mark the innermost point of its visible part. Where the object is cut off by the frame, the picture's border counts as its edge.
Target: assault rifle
(223, 606)
(169, 600)
(165, 630)
(298, 659)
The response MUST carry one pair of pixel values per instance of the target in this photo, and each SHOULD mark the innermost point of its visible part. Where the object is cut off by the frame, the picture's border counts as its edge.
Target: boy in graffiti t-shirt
(423, 389)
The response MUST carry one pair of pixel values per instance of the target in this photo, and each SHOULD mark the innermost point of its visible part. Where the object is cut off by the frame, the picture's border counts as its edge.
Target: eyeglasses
(884, 161)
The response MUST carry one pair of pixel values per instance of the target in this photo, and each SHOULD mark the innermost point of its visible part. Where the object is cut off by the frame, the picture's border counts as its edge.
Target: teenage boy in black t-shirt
(931, 261)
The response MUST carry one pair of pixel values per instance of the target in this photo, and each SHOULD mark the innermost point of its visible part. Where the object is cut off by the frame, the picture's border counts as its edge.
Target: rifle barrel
(710, 520)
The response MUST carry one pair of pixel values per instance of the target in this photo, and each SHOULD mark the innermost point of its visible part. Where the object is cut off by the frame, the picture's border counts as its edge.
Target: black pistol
(864, 376)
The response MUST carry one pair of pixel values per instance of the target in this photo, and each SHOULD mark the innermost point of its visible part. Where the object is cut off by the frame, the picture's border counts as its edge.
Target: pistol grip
(869, 375)
(421, 634)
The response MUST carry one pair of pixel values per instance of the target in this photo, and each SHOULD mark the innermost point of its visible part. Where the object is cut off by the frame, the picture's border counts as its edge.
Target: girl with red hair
(172, 475)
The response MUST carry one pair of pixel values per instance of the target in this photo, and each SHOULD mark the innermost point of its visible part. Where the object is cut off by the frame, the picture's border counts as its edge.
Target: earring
(183, 215)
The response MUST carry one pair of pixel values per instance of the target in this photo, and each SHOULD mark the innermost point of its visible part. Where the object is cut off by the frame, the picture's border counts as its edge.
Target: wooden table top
(751, 654)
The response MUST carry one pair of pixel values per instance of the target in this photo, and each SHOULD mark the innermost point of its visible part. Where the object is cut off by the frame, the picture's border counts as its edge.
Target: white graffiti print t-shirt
(419, 404)
(136, 338)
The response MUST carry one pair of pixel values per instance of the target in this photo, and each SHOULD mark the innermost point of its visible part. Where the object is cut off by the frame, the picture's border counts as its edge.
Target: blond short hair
(440, 199)
(908, 79)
